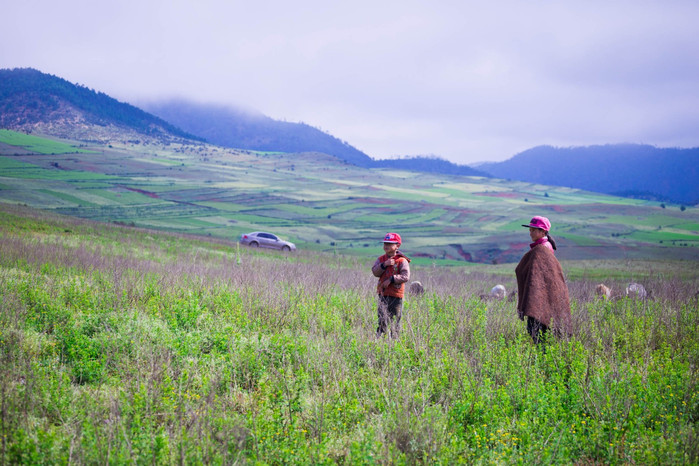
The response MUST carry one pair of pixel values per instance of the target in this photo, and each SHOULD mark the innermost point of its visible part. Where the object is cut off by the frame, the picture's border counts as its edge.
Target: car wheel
(254, 244)
(286, 248)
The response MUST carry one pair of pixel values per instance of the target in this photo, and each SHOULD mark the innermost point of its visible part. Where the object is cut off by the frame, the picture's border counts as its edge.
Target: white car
(261, 239)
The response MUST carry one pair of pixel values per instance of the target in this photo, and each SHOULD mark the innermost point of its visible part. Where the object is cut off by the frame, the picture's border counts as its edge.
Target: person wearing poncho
(542, 293)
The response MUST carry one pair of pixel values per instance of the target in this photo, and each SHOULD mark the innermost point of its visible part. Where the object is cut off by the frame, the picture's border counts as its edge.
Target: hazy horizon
(464, 81)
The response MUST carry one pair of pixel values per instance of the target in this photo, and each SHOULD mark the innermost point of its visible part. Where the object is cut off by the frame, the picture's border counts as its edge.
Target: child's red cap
(392, 238)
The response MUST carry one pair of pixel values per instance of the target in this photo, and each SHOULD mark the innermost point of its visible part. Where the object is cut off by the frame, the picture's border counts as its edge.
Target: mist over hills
(628, 170)
(34, 101)
(243, 129)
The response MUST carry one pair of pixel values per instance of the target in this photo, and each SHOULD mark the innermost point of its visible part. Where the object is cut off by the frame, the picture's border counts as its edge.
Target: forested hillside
(29, 97)
(241, 129)
(629, 170)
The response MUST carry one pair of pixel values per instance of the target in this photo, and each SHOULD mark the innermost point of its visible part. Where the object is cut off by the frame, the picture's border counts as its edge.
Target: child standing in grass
(393, 270)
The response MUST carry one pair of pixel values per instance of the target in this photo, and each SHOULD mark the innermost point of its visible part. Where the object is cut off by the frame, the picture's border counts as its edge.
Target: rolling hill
(243, 129)
(629, 170)
(91, 156)
(322, 204)
(235, 128)
(34, 101)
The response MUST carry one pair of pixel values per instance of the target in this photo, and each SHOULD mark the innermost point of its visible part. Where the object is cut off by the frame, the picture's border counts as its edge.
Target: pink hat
(392, 238)
(539, 222)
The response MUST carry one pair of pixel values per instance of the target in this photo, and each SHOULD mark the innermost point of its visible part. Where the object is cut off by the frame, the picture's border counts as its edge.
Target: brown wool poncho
(541, 289)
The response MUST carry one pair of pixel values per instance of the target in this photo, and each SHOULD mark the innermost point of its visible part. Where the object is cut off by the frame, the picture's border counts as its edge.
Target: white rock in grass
(498, 292)
(636, 290)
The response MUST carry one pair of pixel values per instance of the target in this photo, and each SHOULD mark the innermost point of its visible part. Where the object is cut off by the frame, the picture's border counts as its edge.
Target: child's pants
(390, 311)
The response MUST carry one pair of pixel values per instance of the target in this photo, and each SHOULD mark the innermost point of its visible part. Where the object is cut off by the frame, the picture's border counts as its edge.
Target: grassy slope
(328, 206)
(35, 144)
(122, 345)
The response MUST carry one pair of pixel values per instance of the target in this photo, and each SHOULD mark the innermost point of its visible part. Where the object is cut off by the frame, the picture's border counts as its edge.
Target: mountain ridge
(628, 170)
(31, 100)
(34, 101)
(243, 129)
(231, 127)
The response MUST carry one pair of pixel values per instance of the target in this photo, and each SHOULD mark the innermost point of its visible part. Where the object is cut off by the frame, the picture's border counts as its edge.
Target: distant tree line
(429, 164)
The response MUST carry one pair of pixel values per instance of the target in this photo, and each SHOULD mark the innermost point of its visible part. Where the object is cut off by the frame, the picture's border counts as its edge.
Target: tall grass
(122, 345)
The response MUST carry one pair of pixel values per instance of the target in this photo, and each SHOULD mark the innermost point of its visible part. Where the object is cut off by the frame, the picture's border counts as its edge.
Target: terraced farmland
(321, 203)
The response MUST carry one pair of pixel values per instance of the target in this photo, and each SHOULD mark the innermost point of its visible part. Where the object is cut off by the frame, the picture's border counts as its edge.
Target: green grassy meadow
(325, 205)
(37, 144)
(122, 345)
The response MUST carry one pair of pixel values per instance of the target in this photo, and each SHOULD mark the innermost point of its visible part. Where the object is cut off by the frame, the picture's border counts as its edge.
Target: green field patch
(254, 219)
(158, 161)
(67, 197)
(223, 206)
(661, 235)
(93, 184)
(586, 197)
(379, 219)
(16, 169)
(280, 213)
(576, 197)
(352, 211)
(307, 211)
(314, 195)
(689, 226)
(123, 197)
(37, 144)
(202, 225)
(487, 199)
(408, 193)
(199, 222)
(580, 240)
(7, 164)
(261, 152)
(215, 220)
(653, 219)
(470, 188)
(432, 215)
(347, 182)
(239, 185)
(457, 194)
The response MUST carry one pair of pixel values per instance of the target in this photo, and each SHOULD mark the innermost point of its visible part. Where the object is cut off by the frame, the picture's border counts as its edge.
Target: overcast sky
(465, 80)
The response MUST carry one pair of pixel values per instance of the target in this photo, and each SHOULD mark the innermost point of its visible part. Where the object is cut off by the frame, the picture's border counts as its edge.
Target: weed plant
(120, 345)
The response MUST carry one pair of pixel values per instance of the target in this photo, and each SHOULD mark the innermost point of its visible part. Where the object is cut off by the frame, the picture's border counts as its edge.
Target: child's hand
(389, 262)
(386, 283)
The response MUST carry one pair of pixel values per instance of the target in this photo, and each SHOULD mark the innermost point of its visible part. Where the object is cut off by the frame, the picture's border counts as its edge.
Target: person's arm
(403, 274)
(378, 268)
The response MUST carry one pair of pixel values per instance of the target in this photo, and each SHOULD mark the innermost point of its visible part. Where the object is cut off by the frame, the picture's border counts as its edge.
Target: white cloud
(465, 80)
